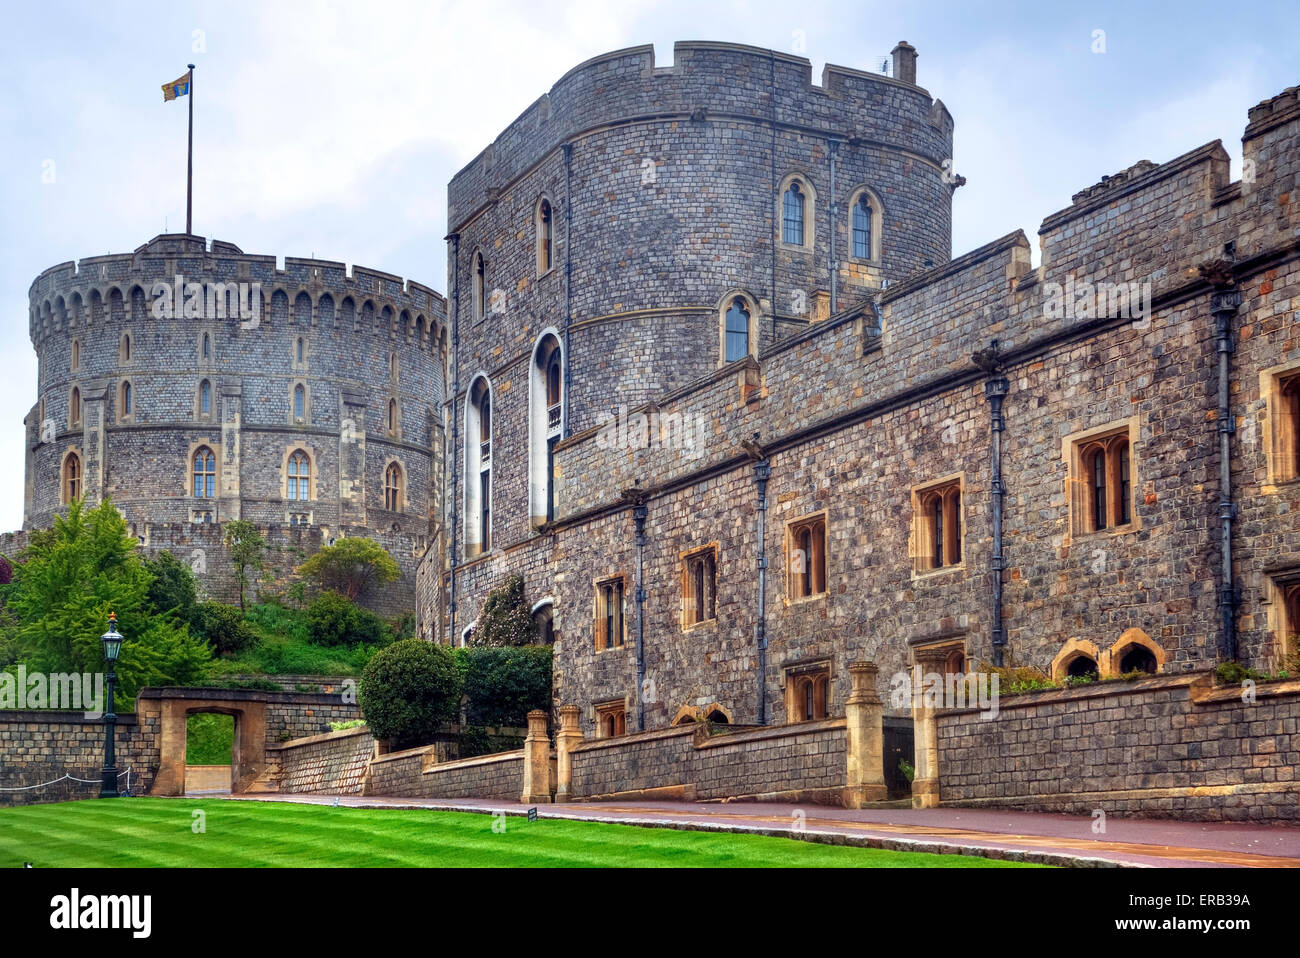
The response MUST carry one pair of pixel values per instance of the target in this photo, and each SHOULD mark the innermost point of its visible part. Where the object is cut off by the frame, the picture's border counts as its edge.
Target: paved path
(1033, 836)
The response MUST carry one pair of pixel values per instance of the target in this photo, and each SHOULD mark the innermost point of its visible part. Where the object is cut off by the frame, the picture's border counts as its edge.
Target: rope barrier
(69, 778)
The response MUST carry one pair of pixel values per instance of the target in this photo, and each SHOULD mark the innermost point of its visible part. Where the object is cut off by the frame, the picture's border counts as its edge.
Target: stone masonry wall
(1164, 746)
(334, 763)
(411, 774)
(37, 747)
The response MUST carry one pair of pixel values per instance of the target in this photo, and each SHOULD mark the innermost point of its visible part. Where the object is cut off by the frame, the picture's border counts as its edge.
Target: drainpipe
(568, 275)
(455, 428)
(1224, 302)
(762, 472)
(834, 209)
(775, 204)
(639, 516)
(995, 390)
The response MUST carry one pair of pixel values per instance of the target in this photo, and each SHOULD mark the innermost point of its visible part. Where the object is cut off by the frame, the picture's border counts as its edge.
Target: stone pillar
(865, 781)
(566, 738)
(925, 786)
(537, 761)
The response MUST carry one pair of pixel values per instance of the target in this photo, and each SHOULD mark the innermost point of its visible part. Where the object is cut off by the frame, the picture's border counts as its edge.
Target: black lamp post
(112, 646)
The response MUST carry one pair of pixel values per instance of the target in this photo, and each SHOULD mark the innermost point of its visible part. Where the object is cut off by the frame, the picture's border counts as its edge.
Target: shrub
(506, 618)
(333, 619)
(408, 691)
(503, 684)
(223, 626)
(351, 566)
(1015, 679)
(6, 571)
(350, 723)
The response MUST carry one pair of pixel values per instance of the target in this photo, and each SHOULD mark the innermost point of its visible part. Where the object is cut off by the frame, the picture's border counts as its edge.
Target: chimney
(905, 62)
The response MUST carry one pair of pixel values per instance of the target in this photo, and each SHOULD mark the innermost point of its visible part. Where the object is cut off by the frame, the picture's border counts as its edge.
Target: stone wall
(413, 774)
(807, 760)
(334, 763)
(1164, 746)
(38, 747)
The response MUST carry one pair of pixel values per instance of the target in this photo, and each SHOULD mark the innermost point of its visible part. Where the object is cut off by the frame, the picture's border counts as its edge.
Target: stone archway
(248, 754)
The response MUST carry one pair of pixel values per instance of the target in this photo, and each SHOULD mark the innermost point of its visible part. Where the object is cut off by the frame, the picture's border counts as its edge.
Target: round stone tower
(195, 384)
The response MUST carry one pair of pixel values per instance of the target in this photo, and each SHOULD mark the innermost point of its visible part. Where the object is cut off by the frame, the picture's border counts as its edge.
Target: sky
(331, 129)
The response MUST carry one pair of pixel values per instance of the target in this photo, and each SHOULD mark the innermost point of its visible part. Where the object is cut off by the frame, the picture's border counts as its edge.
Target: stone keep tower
(315, 412)
(640, 228)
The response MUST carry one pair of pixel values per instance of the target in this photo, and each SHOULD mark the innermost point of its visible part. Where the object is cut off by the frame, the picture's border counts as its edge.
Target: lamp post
(112, 646)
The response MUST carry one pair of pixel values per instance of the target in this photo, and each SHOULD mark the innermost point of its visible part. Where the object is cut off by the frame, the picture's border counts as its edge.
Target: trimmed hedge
(408, 691)
(503, 684)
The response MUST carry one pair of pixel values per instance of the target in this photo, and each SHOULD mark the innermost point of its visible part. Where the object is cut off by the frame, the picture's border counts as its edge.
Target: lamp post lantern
(112, 647)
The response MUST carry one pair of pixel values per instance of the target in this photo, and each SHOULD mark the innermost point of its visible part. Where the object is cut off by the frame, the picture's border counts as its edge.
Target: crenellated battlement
(707, 80)
(71, 293)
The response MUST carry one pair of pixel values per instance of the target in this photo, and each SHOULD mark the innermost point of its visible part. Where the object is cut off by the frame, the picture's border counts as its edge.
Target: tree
(333, 619)
(223, 626)
(173, 588)
(351, 567)
(72, 576)
(246, 546)
(506, 618)
(408, 691)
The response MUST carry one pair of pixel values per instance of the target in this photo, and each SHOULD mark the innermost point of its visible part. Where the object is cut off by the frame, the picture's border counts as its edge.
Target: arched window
(1081, 666)
(806, 557)
(299, 401)
(301, 351)
(71, 478)
(792, 215)
(392, 416)
(205, 398)
(126, 399)
(1097, 474)
(544, 625)
(939, 526)
(545, 425)
(478, 468)
(1106, 465)
(299, 487)
(544, 233)
(393, 487)
(862, 228)
(737, 330)
(205, 473)
(74, 407)
(126, 347)
(1137, 658)
(479, 287)
(76, 355)
(207, 346)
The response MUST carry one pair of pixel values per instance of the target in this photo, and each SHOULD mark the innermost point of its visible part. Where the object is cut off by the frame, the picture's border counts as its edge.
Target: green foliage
(209, 739)
(173, 588)
(246, 547)
(502, 685)
(273, 619)
(408, 691)
(474, 740)
(1013, 680)
(333, 619)
(350, 723)
(351, 566)
(907, 768)
(223, 626)
(72, 577)
(506, 618)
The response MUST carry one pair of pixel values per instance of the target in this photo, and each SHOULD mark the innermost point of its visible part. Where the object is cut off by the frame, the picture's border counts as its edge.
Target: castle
(709, 379)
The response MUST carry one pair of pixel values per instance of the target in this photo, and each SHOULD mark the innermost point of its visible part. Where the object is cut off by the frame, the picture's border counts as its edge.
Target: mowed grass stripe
(155, 832)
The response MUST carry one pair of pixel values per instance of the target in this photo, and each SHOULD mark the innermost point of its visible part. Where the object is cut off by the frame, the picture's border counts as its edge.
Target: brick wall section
(331, 764)
(732, 763)
(41, 746)
(1165, 746)
(410, 774)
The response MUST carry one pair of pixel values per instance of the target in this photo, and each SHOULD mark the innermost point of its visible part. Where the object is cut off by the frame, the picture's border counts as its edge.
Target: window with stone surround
(204, 405)
(700, 586)
(544, 229)
(394, 487)
(864, 226)
(1101, 481)
(611, 718)
(805, 557)
(937, 525)
(74, 407)
(299, 476)
(204, 473)
(1280, 388)
(808, 692)
(124, 353)
(76, 355)
(609, 626)
(796, 212)
(125, 399)
(478, 284)
(71, 478)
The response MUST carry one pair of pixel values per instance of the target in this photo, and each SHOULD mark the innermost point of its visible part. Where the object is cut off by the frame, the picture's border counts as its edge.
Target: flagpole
(189, 164)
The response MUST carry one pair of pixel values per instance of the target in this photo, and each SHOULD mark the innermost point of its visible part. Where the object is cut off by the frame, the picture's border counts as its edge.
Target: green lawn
(158, 832)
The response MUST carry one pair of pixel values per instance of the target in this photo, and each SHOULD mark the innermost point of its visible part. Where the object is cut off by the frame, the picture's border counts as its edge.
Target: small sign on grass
(532, 814)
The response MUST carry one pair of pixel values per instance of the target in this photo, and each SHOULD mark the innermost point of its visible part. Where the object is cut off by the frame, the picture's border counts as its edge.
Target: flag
(179, 87)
